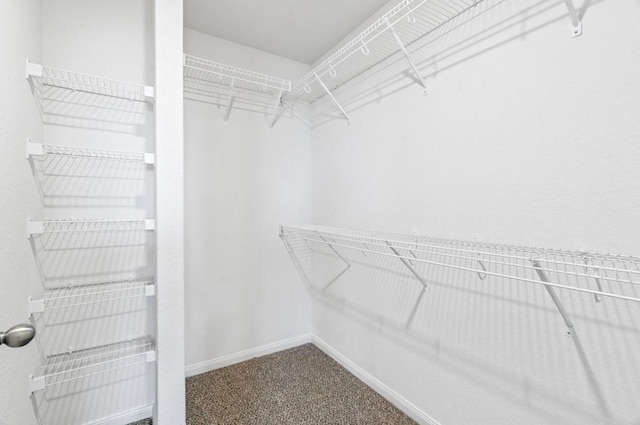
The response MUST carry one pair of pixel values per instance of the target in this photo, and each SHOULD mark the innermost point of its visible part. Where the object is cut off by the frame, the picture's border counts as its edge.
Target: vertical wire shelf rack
(51, 84)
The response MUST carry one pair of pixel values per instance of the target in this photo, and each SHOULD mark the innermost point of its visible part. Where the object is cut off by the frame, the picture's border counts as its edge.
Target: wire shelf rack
(598, 275)
(208, 71)
(74, 81)
(88, 225)
(40, 149)
(74, 365)
(397, 29)
(89, 294)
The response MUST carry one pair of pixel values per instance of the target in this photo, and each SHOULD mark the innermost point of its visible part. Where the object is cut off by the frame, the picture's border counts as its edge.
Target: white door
(20, 37)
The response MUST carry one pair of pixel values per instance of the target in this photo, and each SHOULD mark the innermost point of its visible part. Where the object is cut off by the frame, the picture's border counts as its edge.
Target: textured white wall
(527, 136)
(241, 181)
(21, 37)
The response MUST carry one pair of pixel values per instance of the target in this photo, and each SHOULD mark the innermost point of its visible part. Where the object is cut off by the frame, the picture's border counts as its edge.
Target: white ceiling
(302, 30)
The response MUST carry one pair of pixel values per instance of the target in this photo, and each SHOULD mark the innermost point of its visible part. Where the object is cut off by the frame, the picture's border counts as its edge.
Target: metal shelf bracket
(403, 49)
(278, 110)
(33, 70)
(417, 276)
(229, 101)
(552, 293)
(36, 306)
(576, 22)
(36, 384)
(339, 256)
(34, 228)
(34, 149)
(333, 98)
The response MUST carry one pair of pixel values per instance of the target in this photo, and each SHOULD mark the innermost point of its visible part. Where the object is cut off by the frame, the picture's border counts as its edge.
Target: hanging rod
(601, 275)
(95, 293)
(88, 225)
(74, 365)
(205, 70)
(40, 149)
(70, 80)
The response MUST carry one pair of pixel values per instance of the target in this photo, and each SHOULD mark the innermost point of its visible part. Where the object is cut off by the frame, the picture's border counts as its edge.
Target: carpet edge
(129, 416)
(241, 356)
(374, 383)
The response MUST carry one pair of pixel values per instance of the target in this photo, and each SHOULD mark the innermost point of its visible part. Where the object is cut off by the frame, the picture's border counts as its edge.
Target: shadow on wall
(499, 335)
(470, 32)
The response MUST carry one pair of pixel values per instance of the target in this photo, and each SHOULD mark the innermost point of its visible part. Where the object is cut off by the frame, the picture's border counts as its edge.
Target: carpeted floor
(148, 421)
(297, 386)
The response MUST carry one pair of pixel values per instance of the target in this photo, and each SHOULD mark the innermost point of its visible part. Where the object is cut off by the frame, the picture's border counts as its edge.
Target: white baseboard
(393, 397)
(124, 418)
(274, 347)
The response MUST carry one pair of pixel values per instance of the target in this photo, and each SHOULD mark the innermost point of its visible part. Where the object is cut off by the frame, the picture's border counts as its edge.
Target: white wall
(529, 137)
(169, 104)
(21, 37)
(241, 181)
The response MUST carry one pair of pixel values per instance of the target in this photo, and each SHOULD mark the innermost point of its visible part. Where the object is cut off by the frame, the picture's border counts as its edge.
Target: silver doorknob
(18, 335)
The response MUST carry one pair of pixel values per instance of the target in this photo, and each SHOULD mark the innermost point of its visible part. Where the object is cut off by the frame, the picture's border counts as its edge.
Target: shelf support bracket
(296, 262)
(406, 263)
(34, 228)
(32, 70)
(229, 101)
(576, 22)
(34, 149)
(278, 107)
(408, 56)
(552, 293)
(420, 279)
(339, 256)
(333, 98)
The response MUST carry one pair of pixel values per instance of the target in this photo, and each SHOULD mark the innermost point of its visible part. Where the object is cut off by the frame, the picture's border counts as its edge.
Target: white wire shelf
(89, 294)
(196, 68)
(208, 79)
(88, 225)
(41, 149)
(598, 275)
(391, 33)
(74, 365)
(396, 32)
(77, 82)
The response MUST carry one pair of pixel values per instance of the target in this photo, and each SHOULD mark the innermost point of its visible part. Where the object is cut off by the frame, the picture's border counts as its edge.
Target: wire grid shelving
(69, 80)
(41, 149)
(88, 225)
(393, 32)
(599, 275)
(199, 69)
(89, 294)
(80, 364)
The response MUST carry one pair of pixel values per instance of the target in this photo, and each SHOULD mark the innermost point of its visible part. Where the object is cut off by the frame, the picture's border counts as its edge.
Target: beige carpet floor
(300, 386)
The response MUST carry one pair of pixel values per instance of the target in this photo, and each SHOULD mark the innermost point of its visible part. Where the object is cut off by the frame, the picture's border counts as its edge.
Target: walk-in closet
(295, 212)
